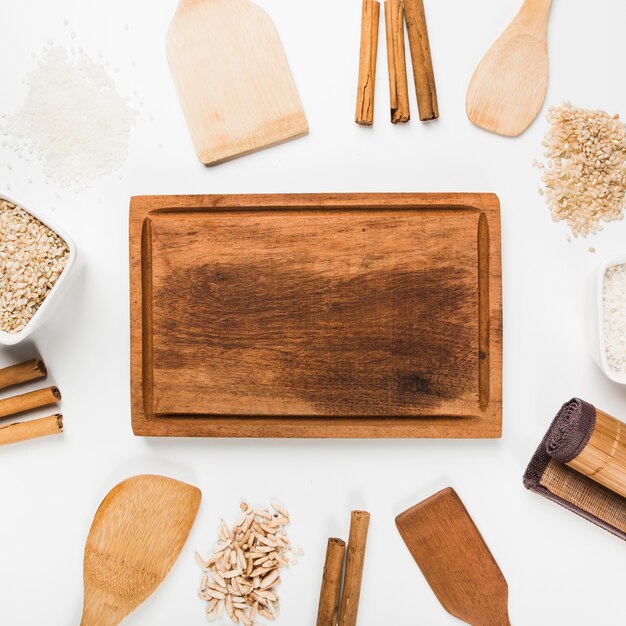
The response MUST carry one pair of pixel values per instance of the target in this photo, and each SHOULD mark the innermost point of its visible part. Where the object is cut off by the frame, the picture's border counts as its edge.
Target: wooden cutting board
(232, 78)
(367, 315)
(455, 560)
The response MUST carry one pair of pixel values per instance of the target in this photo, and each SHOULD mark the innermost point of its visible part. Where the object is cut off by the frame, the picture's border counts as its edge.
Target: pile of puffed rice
(32, 257)
(585, 173)
(241, 575)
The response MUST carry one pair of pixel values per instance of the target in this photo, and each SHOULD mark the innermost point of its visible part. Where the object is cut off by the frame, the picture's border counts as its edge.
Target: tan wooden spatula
(509, 85)
(455, 559)
(135, 538)
(232, 78)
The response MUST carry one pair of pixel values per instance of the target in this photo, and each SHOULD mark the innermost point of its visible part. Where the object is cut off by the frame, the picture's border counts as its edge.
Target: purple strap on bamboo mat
(567, 436)
(571, 430)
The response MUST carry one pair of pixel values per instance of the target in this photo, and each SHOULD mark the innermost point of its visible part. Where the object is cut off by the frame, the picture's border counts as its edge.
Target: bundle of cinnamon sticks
(21, 431)
(395, 13)
(335, 607)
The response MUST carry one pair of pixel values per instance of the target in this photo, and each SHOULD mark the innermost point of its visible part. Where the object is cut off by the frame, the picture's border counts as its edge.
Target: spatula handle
(99, 613)
(533, 16)
(500, 618)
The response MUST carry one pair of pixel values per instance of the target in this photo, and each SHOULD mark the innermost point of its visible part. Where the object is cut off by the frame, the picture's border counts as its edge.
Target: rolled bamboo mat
(581, 464)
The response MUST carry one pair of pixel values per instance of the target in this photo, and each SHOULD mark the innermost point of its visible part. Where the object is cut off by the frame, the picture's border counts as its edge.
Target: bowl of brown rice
(36, 257)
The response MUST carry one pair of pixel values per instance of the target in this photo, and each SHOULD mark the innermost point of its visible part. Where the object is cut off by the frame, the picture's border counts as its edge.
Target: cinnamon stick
(22, 431)
(396, 62)
(359, 523)
(29, 401)
(328, 610)
(22, 373)
(367, 63)
(423, 72)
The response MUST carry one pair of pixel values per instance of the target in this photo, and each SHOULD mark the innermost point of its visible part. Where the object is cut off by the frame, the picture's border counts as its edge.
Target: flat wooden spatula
(135, 538)
(455, 559)
(232, 78)
(509, 85)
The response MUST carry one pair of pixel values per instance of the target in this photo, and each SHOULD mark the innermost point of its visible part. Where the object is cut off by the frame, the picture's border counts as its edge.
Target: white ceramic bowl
(47, 306)
(599, 351)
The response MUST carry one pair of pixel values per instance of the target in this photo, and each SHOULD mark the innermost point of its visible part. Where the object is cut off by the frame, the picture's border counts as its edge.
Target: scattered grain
(243, 572)
(585, 171)
(72, 118)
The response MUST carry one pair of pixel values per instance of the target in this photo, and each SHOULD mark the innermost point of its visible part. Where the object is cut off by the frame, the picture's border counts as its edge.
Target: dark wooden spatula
(455, 559)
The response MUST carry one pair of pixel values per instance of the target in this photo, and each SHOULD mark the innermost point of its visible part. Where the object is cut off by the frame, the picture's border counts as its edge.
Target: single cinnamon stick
(22, 431)
(328, 610)
(396, 62)
(423, 72)
(367, 63)
(29, 401)
(359, 523)
(22, 373)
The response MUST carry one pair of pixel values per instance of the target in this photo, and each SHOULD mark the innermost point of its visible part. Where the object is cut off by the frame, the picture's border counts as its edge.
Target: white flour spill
(72, 119)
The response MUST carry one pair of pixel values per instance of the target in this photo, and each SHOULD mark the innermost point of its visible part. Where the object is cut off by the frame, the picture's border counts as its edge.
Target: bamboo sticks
(22, 431)
(328, 609)
(396, 62)
(29, 401)
(603, 459)
(423, 72)
(22, 373)
(359, 524)
(367, 63)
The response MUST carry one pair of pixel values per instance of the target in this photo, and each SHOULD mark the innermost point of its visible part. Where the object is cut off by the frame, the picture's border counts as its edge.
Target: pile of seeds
(32, 258)
(614, 317)
(585, 173)
(241, 575)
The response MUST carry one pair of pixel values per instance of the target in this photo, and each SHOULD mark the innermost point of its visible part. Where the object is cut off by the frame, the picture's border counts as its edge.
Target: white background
(560, 569)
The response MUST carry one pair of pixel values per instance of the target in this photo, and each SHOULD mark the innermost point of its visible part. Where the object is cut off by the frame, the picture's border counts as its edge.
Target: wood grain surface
(232, 77)
(455, 559)
(604, 457)
(509, 85)
(136, 536)
(346, 315)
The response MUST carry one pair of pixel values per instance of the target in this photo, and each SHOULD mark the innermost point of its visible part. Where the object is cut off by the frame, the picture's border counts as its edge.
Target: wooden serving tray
(360, 315)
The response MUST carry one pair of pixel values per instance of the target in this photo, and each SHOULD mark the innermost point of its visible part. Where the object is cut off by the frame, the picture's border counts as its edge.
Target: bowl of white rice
(36, 257)
(611, 317)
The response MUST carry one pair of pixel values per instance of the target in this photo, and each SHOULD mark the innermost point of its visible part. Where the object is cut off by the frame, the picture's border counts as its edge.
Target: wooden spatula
(455, 559)
(509, 85)
(233, 79)
(136, 535)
